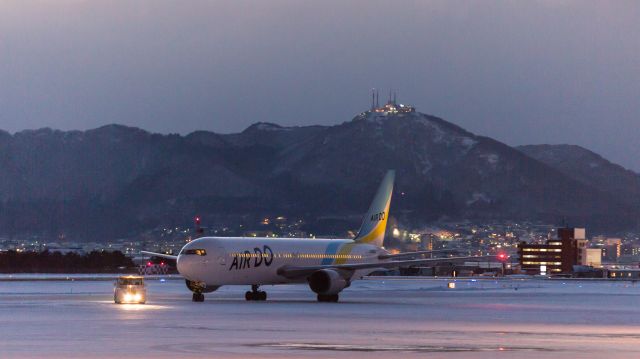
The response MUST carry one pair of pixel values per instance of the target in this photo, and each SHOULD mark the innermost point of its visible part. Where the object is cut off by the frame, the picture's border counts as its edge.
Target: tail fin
(375, 221)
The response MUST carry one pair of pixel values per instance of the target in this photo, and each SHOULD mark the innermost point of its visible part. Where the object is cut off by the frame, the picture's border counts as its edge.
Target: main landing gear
(197, 297)
(332, 298)
(255, 294)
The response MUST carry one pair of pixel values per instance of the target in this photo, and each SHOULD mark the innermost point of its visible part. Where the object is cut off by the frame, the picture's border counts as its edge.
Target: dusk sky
(522, 72)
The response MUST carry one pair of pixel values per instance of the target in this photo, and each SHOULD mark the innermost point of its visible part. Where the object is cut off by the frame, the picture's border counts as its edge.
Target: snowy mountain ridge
(76, 181)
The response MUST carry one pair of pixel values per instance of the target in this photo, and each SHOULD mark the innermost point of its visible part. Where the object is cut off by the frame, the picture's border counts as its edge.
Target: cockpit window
(197, 252)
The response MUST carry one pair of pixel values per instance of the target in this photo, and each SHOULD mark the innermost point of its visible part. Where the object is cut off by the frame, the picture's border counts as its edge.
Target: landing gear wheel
(197, 297)
(255, 294)
(333, 298)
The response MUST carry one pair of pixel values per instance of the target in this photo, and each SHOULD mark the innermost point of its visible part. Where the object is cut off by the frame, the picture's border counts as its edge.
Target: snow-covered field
(374, 319)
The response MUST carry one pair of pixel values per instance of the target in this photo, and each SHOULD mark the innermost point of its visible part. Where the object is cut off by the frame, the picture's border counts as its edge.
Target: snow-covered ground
(374, 319)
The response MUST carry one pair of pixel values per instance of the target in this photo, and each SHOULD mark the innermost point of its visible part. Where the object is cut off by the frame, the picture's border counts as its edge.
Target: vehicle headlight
(128, 297)
(137, 297)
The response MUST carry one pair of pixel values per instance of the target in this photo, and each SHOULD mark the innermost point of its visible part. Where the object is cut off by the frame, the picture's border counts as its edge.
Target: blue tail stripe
(332, 248)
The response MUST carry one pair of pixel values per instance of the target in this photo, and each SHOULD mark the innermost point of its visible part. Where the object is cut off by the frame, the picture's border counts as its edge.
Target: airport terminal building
(557, 256)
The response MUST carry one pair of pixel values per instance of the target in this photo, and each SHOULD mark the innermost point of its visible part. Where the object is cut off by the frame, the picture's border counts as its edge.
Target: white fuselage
(217, 261)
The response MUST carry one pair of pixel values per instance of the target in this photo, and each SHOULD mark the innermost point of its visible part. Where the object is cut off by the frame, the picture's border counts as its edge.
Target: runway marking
(228, 329)
(399, 348)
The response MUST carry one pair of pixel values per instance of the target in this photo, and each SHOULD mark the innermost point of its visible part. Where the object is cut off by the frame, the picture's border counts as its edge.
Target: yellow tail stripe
(345, 250)
(378, 231)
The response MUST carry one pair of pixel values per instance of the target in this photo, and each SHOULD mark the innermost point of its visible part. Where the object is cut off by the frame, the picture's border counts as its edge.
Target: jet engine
(327, 282)
(201, 287)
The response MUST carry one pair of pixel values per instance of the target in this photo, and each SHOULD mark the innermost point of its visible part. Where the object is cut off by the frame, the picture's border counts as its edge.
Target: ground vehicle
(130, 289)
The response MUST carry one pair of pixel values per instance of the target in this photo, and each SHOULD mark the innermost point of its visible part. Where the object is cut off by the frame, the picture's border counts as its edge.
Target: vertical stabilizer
(375, 221)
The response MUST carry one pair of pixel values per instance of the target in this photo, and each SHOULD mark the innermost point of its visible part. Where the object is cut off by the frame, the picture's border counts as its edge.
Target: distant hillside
(118, 181)
(589, 168)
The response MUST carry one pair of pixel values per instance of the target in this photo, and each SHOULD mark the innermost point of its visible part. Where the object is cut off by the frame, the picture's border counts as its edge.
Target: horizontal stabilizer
(415, 254)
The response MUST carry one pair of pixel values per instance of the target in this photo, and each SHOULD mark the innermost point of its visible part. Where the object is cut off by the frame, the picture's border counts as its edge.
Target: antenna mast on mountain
(373, 99)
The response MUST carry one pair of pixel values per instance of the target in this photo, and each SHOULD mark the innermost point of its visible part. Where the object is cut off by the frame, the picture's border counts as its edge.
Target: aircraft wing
(413, 254)
(161, 255)
(292, 272)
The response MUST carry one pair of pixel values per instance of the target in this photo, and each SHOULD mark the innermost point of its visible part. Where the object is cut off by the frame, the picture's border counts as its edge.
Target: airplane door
(221, 256)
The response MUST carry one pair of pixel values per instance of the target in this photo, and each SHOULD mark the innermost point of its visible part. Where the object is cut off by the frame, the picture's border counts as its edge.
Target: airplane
(327, 265)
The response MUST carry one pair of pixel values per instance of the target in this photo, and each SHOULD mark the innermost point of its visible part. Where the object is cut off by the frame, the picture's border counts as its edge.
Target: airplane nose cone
(182, 266)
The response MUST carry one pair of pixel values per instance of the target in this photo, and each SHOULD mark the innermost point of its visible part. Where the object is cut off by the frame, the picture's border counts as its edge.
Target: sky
(522, 72)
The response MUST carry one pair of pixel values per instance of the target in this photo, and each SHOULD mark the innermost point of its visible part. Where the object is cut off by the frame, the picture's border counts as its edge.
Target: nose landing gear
(198, 289)
(255, 294)
(197, 297)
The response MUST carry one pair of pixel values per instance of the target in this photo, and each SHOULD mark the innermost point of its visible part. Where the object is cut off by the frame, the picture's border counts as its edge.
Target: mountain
(118, 181)
(589, 168)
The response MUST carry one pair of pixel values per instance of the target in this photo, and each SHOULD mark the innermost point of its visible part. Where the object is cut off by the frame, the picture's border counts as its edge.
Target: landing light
(132, 298)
